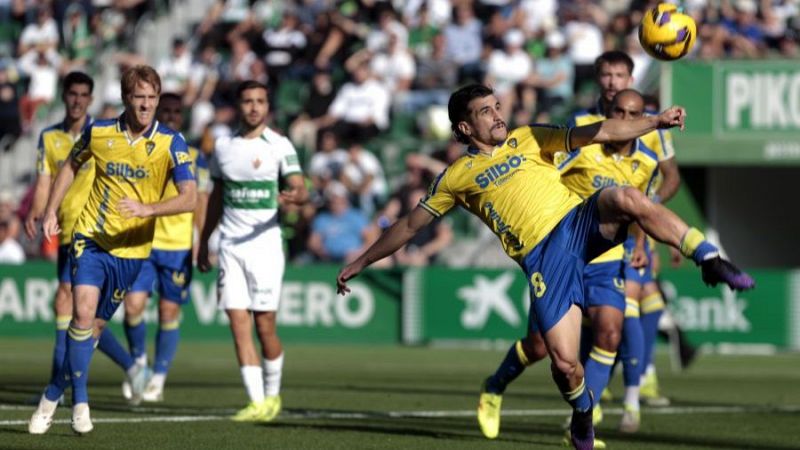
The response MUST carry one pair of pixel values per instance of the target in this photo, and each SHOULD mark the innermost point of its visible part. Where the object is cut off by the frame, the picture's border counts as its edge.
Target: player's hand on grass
(672, 117)
(30, 225)
(129, 207)
(639, 258)
(347, 273)
(50, 226)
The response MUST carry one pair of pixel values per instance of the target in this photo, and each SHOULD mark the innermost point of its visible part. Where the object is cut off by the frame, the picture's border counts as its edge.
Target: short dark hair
(613, 57)
(458, 106)
(78, 78)
(170, 96)
(247, 85)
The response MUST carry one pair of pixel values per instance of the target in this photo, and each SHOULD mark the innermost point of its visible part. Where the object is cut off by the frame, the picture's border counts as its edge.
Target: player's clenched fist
(672, 117)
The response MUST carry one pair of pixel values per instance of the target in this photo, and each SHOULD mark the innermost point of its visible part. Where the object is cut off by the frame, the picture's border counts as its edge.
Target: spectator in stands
(508, 69)
(395, 69)
(536, 17)
(11, 251)
(437, 13)
(745, 36)
(464, 44)
(285, 46)
(436, 75)
(554, 77)
(41, 67)
(328, 163)
(79, 44)
(585, 42)
(360, 109)
(378, 39)
(200, 89)
(176, 68)
(420, 33)
(363, 176)
(238, 68)
(41, 35)
(339, 233)
(10, 125)
(303, 131)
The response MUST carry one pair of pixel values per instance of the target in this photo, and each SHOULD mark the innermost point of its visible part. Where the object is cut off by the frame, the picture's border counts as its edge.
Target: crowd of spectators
(342, 72)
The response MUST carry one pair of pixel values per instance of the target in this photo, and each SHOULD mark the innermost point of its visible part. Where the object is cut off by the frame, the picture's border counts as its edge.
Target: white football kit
(251, 260)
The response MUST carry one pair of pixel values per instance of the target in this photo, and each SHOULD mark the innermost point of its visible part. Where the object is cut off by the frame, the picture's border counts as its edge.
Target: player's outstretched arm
(392, 239)
(40, 194)
(213, 214)
(65, 177)
(185, 201)
(620, 130)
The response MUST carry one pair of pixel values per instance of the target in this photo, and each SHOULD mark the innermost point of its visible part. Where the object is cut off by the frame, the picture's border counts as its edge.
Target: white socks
(632, 397)
(157, 380)
(273, 369)
(253, 382)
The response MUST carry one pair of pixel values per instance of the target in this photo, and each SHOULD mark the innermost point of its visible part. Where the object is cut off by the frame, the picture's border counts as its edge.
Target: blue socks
(652, 309)
(632, 348)
(136, 332)
(60, 349)
(167, 340)
(579, 398)
(80, 347)
(512, 366)
(597, 369)
(109, 345)
(694, 245)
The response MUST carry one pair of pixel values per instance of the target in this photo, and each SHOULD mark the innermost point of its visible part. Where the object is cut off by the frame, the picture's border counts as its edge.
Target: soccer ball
(666, 33)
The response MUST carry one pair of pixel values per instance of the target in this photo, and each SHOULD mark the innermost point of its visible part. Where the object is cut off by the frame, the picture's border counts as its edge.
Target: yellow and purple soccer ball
(666, 33)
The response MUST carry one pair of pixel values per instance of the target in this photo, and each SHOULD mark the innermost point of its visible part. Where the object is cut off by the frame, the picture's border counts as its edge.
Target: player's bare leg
(623, 205)
(272, 364)
(241, 324)
(563, 341)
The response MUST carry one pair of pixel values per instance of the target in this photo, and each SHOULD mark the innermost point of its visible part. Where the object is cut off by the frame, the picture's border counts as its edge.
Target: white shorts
(251, 273)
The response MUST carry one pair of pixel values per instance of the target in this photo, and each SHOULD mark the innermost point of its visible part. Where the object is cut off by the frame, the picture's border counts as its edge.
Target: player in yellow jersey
(55, 143)
(613, 73)
(584, 172)
(508, 180)
(169, 267)
(134, 157)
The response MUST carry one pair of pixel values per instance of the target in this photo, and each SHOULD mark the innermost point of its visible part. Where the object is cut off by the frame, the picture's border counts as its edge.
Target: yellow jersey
(55, 143)
(175, 232)
(594, 167)
(516, 191)
(138, 169)
(658, 141)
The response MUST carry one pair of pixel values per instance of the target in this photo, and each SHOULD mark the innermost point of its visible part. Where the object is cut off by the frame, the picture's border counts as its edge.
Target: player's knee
(168, 311)
(608, 338)
(535, 349)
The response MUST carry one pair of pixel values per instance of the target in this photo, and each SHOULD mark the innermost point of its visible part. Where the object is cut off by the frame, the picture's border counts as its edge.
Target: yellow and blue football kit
(108, 248)
(55, 143)
(516, 191)
(588, 170)
(170, 261)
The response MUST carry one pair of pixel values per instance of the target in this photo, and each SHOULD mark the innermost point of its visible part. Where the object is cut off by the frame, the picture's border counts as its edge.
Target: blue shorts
(94, 266)
(643, 275)
(172, 269)
(555, 267)
(63, 264)
(604, 284)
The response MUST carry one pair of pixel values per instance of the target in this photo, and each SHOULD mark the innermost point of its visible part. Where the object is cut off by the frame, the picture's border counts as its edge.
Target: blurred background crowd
(359, 86)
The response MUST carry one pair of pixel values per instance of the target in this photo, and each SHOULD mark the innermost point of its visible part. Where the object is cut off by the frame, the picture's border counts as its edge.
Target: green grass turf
(373, 381)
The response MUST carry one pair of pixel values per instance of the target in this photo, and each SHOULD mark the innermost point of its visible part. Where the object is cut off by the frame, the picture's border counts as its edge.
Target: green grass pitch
(394, 397)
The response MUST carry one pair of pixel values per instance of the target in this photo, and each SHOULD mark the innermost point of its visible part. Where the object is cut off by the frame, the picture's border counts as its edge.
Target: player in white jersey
(246, 169)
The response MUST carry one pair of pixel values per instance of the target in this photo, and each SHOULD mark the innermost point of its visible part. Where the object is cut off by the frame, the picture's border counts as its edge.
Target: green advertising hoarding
(310, 310)
(739, 112)
(467, 304)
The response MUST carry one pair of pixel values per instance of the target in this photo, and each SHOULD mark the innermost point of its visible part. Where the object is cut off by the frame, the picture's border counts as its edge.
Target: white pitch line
(289, 415)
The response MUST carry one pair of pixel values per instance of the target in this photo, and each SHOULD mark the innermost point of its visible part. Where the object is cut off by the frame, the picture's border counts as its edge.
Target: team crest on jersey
(256, 163)
(512, 143)
(149, 146)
